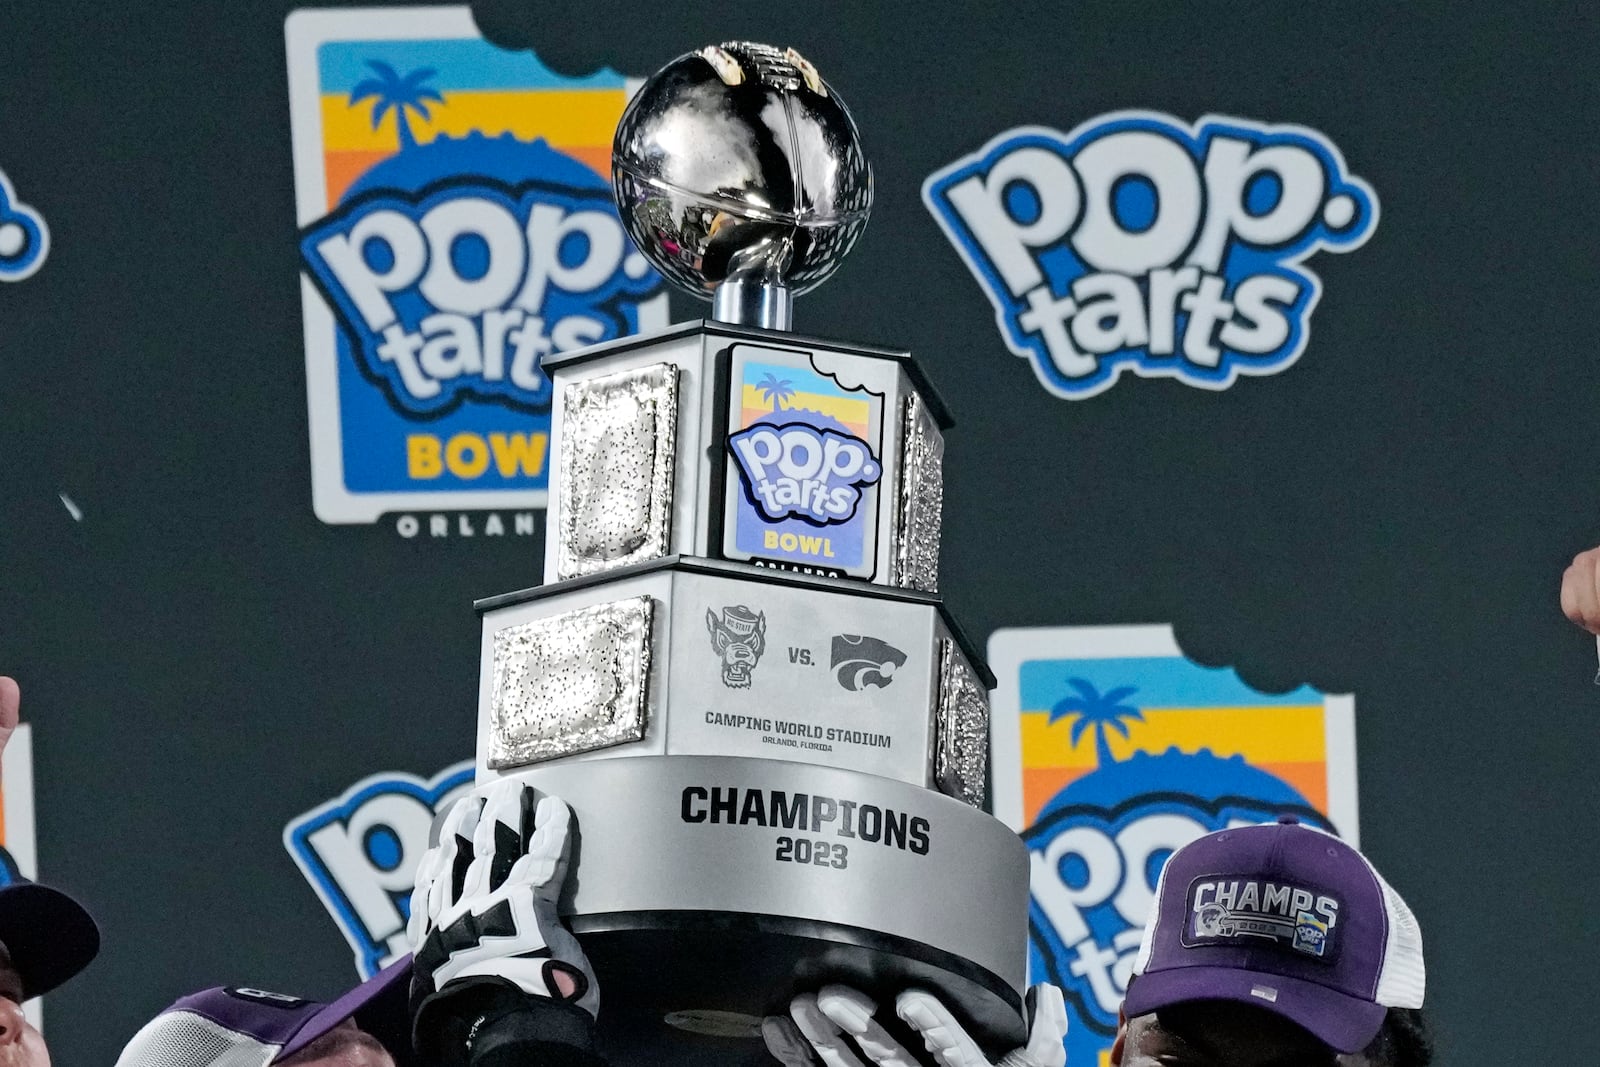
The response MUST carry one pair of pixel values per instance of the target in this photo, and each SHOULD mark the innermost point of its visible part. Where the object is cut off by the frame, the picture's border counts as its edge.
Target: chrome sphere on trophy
(740, 175)
(739, 673)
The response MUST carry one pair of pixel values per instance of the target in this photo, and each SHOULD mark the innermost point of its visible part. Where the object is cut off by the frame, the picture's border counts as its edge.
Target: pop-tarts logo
(24, 237)
(1247, 911)
(803, 472)
(360, 853)
(462, 291)
(456, 230)
(797, 471)
(1138, 242)
(1111, 750)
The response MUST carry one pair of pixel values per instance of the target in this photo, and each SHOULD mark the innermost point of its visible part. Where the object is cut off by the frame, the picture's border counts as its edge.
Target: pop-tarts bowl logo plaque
(1140, 242)
(805, 465)
(456, 228)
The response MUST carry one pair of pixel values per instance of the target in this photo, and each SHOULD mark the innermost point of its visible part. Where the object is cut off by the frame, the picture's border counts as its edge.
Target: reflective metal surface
(738, 163)
(570, 683)
(921, 504)
(961, 721)
(618, 441)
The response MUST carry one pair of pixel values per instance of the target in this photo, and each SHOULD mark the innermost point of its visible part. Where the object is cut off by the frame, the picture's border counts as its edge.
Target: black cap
(50, 936)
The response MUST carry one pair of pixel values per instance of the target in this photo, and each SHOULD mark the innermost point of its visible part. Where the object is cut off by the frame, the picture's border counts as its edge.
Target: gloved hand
(828, 1027)
(489, 944)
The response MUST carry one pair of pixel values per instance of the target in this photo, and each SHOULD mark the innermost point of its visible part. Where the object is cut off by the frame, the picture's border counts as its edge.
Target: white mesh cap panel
(1402, 980)
(184, 1039)
(1142, 961)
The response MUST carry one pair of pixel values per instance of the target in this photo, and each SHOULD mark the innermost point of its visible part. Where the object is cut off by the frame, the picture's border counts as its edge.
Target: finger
(852, 1011)
(786, 1043)
(476, 882)
(552, 825)
(1584, 587)
(455, 845)
(10, 705)
(428, 872)
(1045, 1046)
(946, 1039)
(1590, 590)
(826, 1038)
(1569, 594)
(499, 835)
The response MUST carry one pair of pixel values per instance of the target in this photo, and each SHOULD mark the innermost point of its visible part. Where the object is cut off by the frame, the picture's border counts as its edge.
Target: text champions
(851, 819)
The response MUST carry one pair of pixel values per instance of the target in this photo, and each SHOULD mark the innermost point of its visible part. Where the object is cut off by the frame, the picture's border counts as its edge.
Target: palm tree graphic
(774, 390)
(397, 94)
(1100, 710)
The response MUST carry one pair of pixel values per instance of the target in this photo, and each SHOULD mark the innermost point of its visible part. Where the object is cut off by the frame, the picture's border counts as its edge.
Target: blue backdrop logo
(460, 290)
(456, 231)
(24, 237)
(1137, 242)
(360, 853)
(1097, 850)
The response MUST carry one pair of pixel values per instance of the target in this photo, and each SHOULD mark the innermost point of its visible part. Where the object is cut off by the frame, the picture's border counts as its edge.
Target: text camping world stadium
(1140, 242)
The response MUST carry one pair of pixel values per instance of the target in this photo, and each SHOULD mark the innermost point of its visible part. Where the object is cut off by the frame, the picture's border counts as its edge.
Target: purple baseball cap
(242, 1027)
(49, 936)
(1287, 918)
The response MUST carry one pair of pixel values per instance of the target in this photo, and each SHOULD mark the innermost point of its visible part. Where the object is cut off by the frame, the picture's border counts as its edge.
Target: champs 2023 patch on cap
(240, 1027)
(1286, 918)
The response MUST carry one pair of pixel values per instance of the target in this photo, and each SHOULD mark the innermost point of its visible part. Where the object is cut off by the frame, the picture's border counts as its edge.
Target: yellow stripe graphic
(1278, 734)
(845, 409)
(560, 116)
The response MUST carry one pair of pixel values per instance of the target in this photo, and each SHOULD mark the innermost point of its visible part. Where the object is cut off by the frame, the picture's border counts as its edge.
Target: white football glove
(835, 1028)
(485, 900)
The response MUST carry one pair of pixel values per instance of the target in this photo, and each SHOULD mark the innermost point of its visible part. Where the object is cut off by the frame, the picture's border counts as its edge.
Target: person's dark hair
(334, 1043)
(1404, 1041)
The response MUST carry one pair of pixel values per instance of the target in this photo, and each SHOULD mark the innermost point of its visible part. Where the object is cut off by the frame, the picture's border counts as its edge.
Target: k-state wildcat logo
(859, 662)
(1139, 242)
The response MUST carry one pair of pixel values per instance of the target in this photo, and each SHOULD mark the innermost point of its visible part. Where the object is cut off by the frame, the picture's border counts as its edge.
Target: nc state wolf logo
(862, 661)
(739, 637)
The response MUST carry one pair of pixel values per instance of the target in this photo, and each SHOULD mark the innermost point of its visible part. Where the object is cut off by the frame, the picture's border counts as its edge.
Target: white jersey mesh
(1402, 980)
(1148, 940)
(184, 1039)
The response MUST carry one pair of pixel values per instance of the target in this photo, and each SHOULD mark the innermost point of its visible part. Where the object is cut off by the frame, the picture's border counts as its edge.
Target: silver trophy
(739, 673)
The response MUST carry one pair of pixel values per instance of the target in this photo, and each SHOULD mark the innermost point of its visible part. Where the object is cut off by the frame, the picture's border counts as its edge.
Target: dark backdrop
(204, 659)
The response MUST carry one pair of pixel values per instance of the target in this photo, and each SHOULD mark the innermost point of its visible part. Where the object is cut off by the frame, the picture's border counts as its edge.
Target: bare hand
(1580, 590)
(10, 703)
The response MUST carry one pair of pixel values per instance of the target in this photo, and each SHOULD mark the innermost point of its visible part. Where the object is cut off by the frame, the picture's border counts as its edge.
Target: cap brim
(50, 936)
(380, 1006)
(1344, 1023)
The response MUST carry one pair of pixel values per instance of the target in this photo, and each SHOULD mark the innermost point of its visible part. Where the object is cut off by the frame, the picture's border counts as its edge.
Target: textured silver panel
(570, 683)
(618, 440)
(961, 728)
(921, 499)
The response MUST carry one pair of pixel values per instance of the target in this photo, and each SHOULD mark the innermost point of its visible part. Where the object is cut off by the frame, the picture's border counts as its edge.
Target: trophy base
(710, 890)
(693, 987)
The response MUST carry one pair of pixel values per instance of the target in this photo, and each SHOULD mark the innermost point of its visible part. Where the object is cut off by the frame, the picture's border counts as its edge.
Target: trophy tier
(777, 780)
(710, 890)
(687, 656)
(746, 444)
